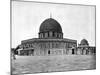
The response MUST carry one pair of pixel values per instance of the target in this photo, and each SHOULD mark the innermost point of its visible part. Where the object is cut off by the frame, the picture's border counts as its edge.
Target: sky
(77, 21)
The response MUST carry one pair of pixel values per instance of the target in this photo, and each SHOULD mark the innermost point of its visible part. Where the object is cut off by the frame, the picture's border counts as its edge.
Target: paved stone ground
(38, 64)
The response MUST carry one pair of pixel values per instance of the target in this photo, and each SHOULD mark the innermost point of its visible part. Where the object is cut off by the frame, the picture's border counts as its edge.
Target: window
(53, 34)
(73, 51)
(48, 51)
(48, 34)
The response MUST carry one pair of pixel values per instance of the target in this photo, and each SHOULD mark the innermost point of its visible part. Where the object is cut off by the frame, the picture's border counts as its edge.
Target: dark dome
(84, 42)
(50, 25)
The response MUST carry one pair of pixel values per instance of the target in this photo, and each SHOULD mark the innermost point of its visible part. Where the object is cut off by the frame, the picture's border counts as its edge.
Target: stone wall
(49, 47)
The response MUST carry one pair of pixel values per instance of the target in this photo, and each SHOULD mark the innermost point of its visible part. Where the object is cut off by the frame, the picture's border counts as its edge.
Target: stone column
(86, 52)
(41, 35)
(82, 51)
(67, 51)
(77, 51)
(18, 52)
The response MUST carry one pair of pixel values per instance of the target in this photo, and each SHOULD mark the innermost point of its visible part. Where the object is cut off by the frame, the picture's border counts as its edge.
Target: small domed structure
(84, 42)
(50, 28)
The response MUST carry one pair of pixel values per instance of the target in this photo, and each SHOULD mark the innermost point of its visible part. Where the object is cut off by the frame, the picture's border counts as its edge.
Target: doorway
(32, 52)
(73, 51)
(48, 51)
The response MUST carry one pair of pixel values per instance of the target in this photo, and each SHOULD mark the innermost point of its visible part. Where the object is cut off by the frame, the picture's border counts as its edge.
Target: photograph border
(46, 3)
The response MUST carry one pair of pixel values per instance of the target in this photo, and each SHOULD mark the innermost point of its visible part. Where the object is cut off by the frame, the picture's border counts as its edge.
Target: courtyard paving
(38, 64)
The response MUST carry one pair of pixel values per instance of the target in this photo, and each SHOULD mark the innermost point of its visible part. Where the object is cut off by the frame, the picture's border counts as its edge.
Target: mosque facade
(50, 41)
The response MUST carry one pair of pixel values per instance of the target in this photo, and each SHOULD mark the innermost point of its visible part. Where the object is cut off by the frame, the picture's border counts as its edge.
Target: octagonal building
(50, 41)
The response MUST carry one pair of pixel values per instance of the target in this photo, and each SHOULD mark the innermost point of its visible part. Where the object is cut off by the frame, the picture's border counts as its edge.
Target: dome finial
(50, 15)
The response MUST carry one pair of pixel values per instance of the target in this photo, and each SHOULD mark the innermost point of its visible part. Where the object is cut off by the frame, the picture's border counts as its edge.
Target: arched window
(53, 34)
(57, 35)
(42, 35)
(48, 51)
(48, 34)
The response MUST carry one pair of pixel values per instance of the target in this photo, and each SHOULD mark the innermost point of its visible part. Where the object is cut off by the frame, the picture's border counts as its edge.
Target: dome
(84, 42)
(50, 24)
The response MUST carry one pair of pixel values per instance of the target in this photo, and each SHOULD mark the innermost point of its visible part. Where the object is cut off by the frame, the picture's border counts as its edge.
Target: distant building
(84, 48)
(50, 41)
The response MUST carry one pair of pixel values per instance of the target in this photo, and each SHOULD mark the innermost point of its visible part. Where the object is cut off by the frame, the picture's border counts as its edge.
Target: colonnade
(50, 35)
(26, 52)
